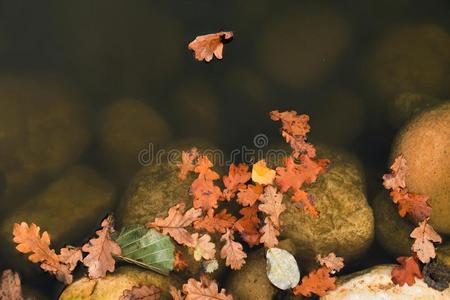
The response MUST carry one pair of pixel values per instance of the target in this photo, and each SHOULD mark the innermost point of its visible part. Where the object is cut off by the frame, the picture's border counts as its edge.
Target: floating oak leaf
(248, 225)
(413, 204)
(101, 251)
(397, 178)
(305, 201)
(204, 248)
(10, 286)
(262, 174)
(272, 204)
(187, 162)
(206, 46)
(176, 222)
(215, 222)
(237, 176)
(232, 251)
(70, 256)
(331, 261)
(407, 271)
(29, 240)
(317, 282)
(204, 289)
(248, 195)
(203, 168)
(424, 236)
(143, 292)
(269, 234)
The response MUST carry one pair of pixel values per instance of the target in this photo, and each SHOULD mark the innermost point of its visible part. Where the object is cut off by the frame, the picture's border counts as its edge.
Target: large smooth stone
(114, 284)
(43, 129)
(376, 284)
(425, 143)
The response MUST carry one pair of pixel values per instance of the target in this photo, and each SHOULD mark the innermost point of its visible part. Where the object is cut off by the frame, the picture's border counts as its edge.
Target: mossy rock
(345, 224)
(391, 230)
(114, 284)
(69, 209)
(43, 130)
(425, 144)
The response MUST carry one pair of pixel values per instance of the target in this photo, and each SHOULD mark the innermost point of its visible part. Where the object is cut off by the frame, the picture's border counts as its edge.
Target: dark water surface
(322, 58)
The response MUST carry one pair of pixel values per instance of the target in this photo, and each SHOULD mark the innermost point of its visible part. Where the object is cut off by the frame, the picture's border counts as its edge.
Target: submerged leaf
(147, 248)
(208, 45)
(282, 268)
(10, 286)
(144, 292)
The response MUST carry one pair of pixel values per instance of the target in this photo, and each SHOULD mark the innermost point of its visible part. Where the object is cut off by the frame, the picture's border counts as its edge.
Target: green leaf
(146, 248)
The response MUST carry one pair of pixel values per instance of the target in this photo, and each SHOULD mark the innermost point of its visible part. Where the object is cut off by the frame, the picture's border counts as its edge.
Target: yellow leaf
(262, 174)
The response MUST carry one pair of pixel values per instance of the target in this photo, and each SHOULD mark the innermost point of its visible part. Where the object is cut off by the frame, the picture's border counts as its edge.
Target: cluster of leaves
(320, 281)
(196, 290)
(99, 259)
(254, 191)
(416, 206)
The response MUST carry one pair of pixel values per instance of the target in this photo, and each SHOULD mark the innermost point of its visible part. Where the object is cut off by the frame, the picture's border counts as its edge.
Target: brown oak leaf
(317, 282)
(10, 286)
(187, 162)
(70, 256)
(102, 250)
(237, 176)
(249, 194)
(413, 204)
(397, 178)
(176, 222)
(215, 222)
(407, 271)
(143, 292)
(269, 234)
(204, 248)
(204, 289)
(331, 261)
(272, 204)
(206, 193)
(424, 236)
(232, 251)
(208, 45)
(203, 168)
(248, 225)
(176, 293)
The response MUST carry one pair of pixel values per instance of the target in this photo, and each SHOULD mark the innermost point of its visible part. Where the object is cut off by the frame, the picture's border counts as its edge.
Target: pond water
(87, 86)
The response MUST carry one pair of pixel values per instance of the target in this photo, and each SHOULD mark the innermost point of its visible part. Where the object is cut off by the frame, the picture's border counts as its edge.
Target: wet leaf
(425, 236)
(397, 178)
(187, 162)
(331, 261)
(232, 252)
(210, 265)
(237, 176)
(407, 271)
(282, 268)
(248, 225)
(269, 234)
(179, 263)
(215, 222)
(144, 292)
(413, 204)
(204, 290)
(317, 282)
(262, 174)
(10, 286)
(249, 194)
(206, 46)
(272, 204)
(205, 248)
(70, 256)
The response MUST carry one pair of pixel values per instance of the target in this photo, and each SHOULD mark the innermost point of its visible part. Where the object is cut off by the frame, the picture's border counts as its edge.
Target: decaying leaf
(249, 194)
(206, 46)
(397, 178)
(407, 271)
(204, 289)
(331, 261)
(248, 225)
(204, 248)
(272, 204)
(237, 176)
(176, 222)
(209, 266)
(282, 268)
(10, 286)
(215, 222)
(29, 240)
(317, 282)
(70, 256)
(187, 162)
(262, 174)
(232, 251)
(205, 192)
(269, 234)
(413, 204)
(101, 251)
(179, 264)
(425, 236)
(143, 292)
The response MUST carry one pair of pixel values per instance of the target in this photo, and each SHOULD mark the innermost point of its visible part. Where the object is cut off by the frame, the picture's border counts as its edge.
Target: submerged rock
(376, 284)
(127, 127)
(391, 230)
(114, 284)
(425, 144)
(43, 129)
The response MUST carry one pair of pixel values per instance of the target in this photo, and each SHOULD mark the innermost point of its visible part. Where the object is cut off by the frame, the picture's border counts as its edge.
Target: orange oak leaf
(176, 293)
(331, 261)
(269, 234)
(317, 282)
(215, 222)
(305, 201)
(187, 162)
(289, 176)
(232, 251)
(406, 272)
(237, 176)
(204, 248)
(204, 289)
(102, 250)
(249, 194)
(206, 46)
(397, 178)
(203, 168)
(272, 204)
(176, 222)
(262, 174)
(179, 264)
(248, 225)
(143, 292)
(29, 240)
(424, 236)
(10, 286)
(206, 193)
(70, 256)
(413, 204)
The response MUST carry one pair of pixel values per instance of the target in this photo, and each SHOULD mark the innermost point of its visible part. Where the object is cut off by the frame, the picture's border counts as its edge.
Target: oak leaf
(317, 282)
(269, 234)
(248, 225)
(424, 236)
(206, 46)
(206, 193)
(187, 162)
(232, 251)
(203, 168)
(237, 176)
(176, 293)
(204, 289)
(176, 222)
(179, 264)
(331, 261)
(70, 256)
(29, 240)
(262, 174)
(249, 194)
(411, 203)
(407, 271)
(272, 204)
(102, 250)
(397, 178)
(204, 248)
(143, 292)
(215, 222)
(10, 286)
(305, 201)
